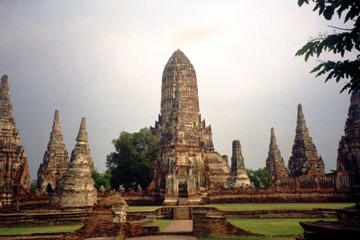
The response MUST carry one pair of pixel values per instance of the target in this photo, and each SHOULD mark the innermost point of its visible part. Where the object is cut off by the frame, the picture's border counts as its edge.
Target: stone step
(182, 213)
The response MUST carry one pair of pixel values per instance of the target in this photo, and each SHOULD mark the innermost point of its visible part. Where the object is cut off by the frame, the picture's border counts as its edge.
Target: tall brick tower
(186, 149)
(14, 168)
(304, 159)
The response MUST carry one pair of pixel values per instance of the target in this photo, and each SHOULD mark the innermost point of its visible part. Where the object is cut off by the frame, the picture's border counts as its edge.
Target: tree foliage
(33, 185)
(102, 179)
(132, 162)
(259, 177)
(342, 41)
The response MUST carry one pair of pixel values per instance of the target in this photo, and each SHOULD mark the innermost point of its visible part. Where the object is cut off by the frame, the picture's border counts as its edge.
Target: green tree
(102, 179)
(259, 177)
(341, 41)
(132, 162)
(33, 185)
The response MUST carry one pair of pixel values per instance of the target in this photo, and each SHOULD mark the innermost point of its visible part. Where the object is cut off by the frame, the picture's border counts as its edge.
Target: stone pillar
(239, 176)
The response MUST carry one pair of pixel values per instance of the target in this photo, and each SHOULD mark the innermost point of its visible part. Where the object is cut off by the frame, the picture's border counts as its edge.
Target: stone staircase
(219, 171)
(182, 213)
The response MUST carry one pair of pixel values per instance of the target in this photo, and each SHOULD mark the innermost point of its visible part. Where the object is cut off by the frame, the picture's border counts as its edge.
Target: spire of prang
(304, 159)
(82, 137)
(302, 130)
(12, 153)
(56, 133)
(81, 153)
(275, 163)
(5, 103)
(55, 160)
(348, 157)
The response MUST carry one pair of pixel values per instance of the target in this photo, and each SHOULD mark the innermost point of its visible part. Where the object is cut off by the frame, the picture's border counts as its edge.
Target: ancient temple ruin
(239, 177)
(348, 159)
(76, 189)
(55, 160)
(187, 164)
(14, 169)
(275, 163)
(304, 159)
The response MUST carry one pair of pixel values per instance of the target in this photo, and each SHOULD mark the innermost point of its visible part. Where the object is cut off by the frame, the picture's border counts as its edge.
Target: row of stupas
(304, 160)
(70, 182)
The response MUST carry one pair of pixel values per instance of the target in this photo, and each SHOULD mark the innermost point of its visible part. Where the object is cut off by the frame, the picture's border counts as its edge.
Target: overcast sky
(103, 60)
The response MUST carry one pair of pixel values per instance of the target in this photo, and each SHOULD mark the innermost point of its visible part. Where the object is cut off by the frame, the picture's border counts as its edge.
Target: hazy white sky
(103, 60)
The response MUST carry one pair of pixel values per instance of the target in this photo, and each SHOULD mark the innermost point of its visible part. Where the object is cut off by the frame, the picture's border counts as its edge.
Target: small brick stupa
(76, 188)
(239, 177)
(55, 161)
(304, 159)
(275, 163)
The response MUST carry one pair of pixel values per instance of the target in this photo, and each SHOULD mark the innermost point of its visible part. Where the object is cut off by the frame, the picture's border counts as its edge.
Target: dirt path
(164, 237)
(180, 226)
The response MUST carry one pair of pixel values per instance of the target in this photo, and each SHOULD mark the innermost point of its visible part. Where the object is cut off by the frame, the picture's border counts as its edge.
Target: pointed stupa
(304, 159)
(82, 137)
(76, 188)
(14, 168)
(239, 175)
(348, 159)
(55, 160)
(275, 163)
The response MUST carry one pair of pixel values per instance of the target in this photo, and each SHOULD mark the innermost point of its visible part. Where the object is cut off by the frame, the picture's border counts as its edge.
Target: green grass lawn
(273, 226)
(278, 206)
(245, 238)
(161, 223)
(143, 208)
(30, 230)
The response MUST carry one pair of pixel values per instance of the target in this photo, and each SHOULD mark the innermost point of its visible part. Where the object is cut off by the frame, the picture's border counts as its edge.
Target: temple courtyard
(259, 221)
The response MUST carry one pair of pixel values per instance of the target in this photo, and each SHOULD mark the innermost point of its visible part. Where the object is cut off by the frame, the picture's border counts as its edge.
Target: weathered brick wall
(216, 226)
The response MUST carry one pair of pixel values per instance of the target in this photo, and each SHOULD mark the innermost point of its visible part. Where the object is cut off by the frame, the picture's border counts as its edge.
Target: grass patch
(161, 223)
(31, 230)
(245, 238)
(273, 226)
(143, 208)
(278, 206)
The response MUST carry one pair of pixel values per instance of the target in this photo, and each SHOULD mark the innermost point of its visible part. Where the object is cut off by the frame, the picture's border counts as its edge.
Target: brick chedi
(304, 159)
(76, 188)
(275, 163)
(14, 168)
(55, 161)
(348, 159)
(239, 176)
(187, 163)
